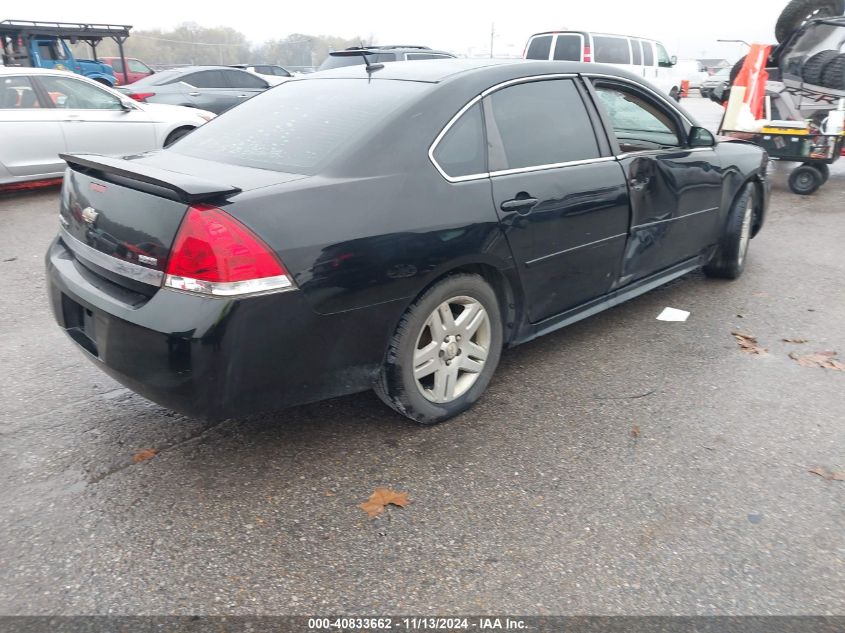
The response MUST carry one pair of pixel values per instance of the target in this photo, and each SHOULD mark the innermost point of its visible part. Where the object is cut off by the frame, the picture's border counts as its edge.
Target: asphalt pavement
(623, 465)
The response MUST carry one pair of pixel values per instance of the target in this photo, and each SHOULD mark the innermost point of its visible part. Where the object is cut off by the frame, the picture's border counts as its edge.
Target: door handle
(193, 94)
(522, 204)
(638, 184)
(242, 96)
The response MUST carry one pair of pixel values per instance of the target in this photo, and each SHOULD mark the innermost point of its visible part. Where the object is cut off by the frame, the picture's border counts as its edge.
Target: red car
(135, 69)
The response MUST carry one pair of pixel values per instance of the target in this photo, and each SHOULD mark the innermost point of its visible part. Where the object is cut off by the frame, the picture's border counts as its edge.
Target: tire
(798, 12)
(728, 261)
(833, 75)
(814, 67)
(824, 170)
(175, 135)
(425, 397)
(806, 180)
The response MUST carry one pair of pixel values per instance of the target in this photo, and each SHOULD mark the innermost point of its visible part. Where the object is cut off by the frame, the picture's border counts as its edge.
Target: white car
(272, 74)
(644, 57)
(47, 112)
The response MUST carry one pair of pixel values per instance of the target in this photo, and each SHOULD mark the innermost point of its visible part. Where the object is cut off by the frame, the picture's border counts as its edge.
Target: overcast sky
(688, 28)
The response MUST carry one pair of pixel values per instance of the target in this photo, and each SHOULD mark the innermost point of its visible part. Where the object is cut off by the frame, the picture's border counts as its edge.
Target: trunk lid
(120, 216)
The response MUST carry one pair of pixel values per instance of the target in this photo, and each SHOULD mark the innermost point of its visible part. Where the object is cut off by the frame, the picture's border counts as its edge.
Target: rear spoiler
(187, 188)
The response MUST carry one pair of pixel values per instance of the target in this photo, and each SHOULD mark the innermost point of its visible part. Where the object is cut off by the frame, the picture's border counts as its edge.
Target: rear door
(30, 132)
(95, 121)
(561, 198)
(539, 47)
(568, 47)
(209, 90)
(675, 191)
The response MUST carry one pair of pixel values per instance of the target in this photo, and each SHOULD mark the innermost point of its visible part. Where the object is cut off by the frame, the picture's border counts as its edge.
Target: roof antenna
(370, 67)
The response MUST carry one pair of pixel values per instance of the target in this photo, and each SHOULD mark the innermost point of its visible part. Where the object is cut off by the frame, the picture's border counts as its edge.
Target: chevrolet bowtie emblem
(89, 214)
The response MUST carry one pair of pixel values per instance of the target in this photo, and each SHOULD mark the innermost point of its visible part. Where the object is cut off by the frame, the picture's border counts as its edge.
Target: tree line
(190, 43)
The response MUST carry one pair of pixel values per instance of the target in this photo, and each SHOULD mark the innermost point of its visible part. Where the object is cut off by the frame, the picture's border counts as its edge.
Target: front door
(675, 191)
(95, 120)
(561, 199)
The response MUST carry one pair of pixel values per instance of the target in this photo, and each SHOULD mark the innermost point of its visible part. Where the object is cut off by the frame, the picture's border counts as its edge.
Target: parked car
(274, 75)
(643, 57)
(135, 69)
(46, 112)
(212, 88)
(370, 228)
(45, 45)
(382, 54)
(720, 79)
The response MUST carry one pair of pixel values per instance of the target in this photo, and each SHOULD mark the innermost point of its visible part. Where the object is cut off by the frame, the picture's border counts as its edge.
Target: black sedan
(392, 228)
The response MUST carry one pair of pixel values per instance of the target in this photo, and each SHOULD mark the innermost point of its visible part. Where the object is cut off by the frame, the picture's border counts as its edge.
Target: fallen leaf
(381, 498)
(143, 455)
(829, 476)
(795, 341)
(635, 432)
(748, 343)
(825, 360)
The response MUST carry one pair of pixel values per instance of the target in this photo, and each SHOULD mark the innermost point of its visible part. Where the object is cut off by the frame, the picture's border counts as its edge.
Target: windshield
(298, 126)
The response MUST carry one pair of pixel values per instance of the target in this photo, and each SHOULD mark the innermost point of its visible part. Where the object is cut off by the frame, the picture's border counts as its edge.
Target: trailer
(45, 45)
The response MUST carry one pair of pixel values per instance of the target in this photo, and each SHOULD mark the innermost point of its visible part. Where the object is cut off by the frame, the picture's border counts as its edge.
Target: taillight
(141, 96)
(216, 255)
(588, 54)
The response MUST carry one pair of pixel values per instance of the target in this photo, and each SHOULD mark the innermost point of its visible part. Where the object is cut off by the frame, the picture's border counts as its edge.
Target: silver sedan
(44, 113)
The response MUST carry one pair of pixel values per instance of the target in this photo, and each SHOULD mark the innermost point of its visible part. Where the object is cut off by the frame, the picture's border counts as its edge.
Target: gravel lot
(620, 466)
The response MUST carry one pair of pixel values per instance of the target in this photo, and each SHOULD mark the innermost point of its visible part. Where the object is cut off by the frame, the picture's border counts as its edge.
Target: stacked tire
(798, 12)
(825, 69)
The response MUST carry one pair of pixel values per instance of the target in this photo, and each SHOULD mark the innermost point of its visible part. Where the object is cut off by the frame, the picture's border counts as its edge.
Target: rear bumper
(217, 358)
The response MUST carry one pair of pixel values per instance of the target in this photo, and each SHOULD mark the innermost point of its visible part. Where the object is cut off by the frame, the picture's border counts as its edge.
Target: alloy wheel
(451, 349)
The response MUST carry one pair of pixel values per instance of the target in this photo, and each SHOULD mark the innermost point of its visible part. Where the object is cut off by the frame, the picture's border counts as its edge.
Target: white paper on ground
(671, 314)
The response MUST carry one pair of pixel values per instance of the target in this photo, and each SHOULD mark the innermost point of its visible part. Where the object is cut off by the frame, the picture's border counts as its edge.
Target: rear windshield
(334, 61)
(298, 126)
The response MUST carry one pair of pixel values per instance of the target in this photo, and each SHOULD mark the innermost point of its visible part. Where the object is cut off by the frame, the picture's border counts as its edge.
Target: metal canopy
(92, 34)
(64, 29)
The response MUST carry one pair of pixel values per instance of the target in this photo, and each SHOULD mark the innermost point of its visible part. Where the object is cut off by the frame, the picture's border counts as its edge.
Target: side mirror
(699, 137)
(674, 60)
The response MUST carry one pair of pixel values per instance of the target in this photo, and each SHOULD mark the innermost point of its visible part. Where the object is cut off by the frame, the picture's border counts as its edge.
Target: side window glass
(206, 79)
(611, 50)
(637, 52)
(137, 67)
(639, 124)
(568, 48)
(77, 95)
(648, 54)
(243, 79)
(663, 57)
(117, 65)
(462, 151)
(540, 123)
(539, 48)
(17, 93)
